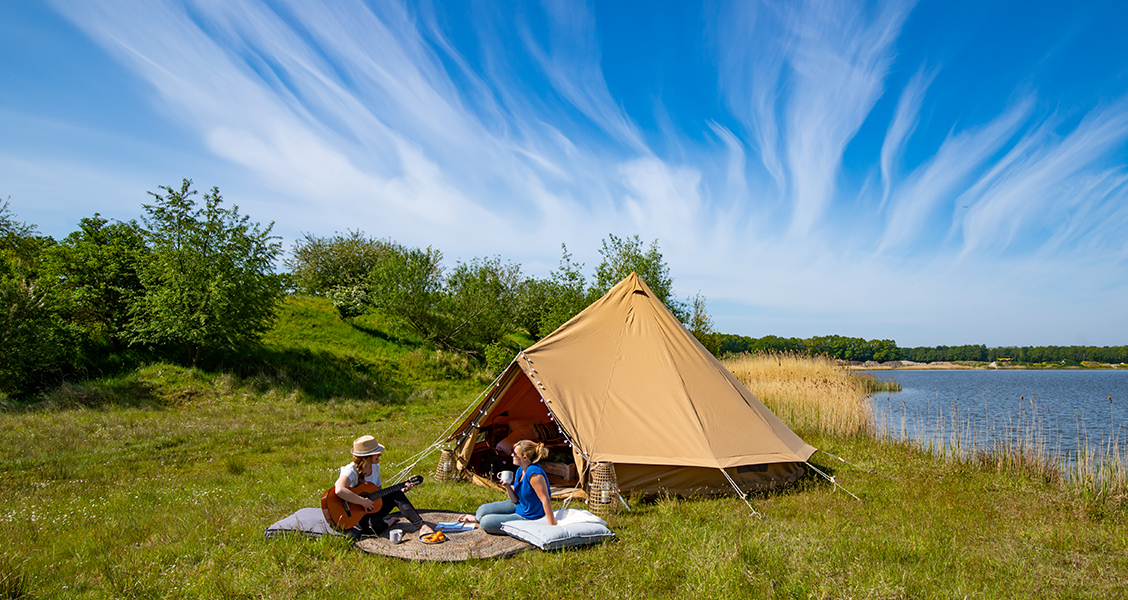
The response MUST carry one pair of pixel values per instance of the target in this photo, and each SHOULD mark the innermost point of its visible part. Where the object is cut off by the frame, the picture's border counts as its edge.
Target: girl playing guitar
(365, 466)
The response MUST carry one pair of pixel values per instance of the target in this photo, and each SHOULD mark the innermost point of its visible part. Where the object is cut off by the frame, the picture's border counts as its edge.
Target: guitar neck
(385, 491)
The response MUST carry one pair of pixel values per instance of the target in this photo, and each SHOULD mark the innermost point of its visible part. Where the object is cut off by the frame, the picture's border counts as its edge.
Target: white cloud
(904, 122)
(354, 115)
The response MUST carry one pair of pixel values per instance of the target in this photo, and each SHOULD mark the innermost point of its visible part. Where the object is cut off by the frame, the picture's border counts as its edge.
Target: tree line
(833, 346)
(194, 279)
(1068, 355)
(862, 350)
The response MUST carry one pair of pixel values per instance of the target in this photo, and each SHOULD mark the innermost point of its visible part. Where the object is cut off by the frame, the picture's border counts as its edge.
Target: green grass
(159, 483)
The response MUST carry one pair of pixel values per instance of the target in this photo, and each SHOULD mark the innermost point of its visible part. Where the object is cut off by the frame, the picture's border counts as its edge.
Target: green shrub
(319, 264)
(498, 357)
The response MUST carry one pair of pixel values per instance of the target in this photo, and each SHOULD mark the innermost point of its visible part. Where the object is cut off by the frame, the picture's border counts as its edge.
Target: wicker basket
(446, 471)
(603, 489)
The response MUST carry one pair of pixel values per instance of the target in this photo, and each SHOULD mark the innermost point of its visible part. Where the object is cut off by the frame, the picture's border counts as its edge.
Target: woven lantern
(445, 470)
(603, 489)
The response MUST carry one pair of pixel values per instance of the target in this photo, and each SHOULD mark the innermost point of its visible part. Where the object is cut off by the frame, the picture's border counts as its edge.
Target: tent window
(752, 469)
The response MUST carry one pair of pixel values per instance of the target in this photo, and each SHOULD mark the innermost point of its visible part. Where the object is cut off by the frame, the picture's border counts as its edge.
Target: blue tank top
(528, 502)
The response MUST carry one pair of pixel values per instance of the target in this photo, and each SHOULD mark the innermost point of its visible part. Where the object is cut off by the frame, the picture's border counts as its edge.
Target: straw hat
(366, 445)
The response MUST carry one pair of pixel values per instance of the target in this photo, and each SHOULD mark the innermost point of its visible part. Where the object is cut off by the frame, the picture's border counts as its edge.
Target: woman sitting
(529, 496)
(365, 466)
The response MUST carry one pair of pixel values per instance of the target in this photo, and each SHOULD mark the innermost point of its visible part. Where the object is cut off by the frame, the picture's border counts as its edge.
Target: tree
(36, 345)
(701, 326)
(209, 280)
(530, 305)
(566, 294)
(407, 285)
(95, 271)
(622, 256)
(479, 301)
(465, 310)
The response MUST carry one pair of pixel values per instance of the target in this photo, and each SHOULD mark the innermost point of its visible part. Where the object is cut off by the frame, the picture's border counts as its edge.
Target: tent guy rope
(831, 479)
(419, 456)
(740, 493)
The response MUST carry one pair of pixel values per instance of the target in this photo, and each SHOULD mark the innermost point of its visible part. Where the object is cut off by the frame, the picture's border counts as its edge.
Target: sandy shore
(907, 364)
(944, 365)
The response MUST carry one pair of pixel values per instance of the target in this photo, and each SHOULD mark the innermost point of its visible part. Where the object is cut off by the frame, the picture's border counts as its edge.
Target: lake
(1068, 408)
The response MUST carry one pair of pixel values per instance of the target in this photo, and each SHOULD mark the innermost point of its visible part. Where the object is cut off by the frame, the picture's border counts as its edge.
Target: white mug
(395, 535)
(505, 476)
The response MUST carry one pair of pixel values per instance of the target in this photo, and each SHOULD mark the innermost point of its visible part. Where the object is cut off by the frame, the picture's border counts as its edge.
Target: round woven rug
(457, 547)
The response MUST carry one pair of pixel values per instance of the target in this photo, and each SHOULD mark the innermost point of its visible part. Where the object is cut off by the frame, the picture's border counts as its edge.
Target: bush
(350, 301)
(498, 357)
(318, 264)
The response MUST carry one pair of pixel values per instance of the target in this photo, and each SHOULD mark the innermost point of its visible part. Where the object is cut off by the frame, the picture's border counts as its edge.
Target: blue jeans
(492, 515)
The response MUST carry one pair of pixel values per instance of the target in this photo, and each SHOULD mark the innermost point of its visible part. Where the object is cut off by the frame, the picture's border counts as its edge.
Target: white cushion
(573, 528)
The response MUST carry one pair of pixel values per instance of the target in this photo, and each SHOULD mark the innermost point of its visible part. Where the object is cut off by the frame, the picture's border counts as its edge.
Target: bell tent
(624, 383)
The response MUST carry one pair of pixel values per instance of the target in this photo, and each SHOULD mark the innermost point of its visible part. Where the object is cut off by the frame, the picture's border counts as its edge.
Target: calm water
(1068, 407)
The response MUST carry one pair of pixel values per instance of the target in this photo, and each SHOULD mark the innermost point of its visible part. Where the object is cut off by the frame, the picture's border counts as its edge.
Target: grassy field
(158, 484)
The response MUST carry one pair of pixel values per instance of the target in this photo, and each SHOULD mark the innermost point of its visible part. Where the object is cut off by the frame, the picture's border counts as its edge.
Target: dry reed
(806, 393)
(818, 394)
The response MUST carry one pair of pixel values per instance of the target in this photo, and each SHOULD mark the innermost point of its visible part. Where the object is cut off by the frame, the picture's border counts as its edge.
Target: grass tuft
(15, 583)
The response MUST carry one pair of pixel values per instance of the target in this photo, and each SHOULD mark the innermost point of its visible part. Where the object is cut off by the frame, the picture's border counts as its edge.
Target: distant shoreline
(903, 365)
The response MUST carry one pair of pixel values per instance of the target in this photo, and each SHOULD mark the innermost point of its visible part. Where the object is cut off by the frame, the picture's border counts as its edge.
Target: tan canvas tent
(625, 383)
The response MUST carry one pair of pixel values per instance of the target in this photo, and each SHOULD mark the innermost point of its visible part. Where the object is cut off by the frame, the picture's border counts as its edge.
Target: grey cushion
(573, 528)
(310, 521)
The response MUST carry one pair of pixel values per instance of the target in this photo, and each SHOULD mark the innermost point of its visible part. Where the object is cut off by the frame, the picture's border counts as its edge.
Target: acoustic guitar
(345, 515)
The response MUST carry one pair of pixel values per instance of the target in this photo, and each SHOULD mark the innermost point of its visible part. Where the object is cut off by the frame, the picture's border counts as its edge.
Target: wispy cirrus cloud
(1044, 183)
(376, 116)
(917, 200)
(902, 126)
(805, 76)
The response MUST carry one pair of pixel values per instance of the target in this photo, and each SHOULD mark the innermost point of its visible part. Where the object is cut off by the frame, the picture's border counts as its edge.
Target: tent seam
(611, 375)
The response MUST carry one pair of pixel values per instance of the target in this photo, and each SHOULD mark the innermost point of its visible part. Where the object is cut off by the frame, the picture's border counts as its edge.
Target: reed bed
(807, 393)
(1023, 445)
(818, 394)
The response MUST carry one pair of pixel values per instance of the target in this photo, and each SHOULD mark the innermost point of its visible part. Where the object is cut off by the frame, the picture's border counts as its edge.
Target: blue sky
(935, 173)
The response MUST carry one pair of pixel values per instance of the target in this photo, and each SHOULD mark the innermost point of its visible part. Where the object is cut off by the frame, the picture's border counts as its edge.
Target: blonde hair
(359, 462)
(534, 451)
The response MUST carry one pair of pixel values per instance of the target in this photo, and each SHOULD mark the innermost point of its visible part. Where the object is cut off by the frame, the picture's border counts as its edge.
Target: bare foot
(389, 521)
(425, 530)
(467, 519)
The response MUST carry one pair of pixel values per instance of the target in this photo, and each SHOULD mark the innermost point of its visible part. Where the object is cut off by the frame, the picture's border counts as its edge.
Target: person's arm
(512, 493)
(540, 486)
(344, 493)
